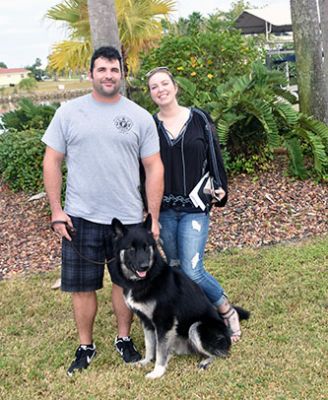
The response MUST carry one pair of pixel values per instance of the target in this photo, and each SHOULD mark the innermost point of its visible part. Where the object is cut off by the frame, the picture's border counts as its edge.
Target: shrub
(21, 155)
(29, 115)
(27, 84)
(254, 115)
(206, 59)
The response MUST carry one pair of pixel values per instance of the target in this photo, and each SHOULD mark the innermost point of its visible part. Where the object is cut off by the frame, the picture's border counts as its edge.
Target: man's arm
(154, 171)
(52, 177)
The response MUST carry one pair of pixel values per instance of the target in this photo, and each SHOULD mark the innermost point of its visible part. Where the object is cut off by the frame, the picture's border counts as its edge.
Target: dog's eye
(131, 250)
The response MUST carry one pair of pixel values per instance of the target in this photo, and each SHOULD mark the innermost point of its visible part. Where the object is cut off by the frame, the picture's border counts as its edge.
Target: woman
(189, 149)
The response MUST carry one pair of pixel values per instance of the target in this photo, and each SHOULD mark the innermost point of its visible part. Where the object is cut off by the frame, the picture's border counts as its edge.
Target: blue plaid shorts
(94, 242)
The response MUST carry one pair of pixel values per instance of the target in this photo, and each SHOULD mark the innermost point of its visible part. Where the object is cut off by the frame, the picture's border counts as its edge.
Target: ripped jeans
(184, 237)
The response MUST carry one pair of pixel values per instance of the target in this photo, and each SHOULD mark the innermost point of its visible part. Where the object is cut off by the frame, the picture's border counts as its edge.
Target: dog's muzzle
(134, 270)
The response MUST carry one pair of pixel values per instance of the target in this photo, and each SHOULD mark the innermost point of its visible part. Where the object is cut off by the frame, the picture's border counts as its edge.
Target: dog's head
(134, 249)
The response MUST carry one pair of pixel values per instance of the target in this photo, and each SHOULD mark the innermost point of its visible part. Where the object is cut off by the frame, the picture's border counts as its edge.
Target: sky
(25, 34)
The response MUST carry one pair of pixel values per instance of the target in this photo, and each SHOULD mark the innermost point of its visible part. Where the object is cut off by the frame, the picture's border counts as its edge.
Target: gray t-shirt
(103, 143)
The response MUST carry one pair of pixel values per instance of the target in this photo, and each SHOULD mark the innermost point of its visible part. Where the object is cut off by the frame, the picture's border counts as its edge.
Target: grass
(283, 353)
(49, 86)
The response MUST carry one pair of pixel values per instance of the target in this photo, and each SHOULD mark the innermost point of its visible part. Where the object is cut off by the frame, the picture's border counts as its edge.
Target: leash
(72, 232)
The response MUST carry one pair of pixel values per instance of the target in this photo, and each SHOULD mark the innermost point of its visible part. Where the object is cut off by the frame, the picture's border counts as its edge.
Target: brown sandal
(232, 321)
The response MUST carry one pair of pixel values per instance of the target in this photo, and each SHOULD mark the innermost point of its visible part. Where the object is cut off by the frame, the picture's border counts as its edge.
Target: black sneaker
(124, 345)
(83, 357)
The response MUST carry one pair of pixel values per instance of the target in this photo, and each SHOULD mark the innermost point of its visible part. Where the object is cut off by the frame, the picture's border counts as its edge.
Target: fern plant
(254, 113)
(29, 116)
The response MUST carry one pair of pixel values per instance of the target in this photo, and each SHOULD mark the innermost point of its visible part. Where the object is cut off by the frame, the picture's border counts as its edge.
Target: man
(102, 136)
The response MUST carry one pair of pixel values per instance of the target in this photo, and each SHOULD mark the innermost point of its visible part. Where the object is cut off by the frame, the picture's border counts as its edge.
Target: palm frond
(317, 127)
(296, 158)
(138, 22)
(288, 114)
(286, 94)
(74, 13)
(263, 112)
(70, 55)
(318, 150)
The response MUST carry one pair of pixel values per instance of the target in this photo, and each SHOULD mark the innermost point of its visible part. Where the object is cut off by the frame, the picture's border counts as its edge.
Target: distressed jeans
(184, 237)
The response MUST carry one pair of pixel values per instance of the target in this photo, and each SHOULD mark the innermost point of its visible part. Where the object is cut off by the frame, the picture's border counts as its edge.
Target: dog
(176, 315)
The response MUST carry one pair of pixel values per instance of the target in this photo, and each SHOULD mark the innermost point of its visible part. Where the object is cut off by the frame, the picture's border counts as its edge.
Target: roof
(265, 20)
(12, 70)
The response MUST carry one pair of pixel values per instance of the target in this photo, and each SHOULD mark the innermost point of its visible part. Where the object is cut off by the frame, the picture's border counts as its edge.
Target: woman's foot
(231, 319)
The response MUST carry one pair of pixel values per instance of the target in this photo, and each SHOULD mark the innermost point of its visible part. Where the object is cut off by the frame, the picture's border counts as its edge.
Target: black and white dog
(176, 315)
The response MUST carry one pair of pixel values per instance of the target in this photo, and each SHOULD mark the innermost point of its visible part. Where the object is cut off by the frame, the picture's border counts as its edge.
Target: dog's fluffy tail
(242, 313)
(210, 338)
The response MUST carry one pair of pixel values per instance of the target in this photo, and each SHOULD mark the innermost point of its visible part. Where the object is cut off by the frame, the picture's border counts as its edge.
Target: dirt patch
(263, 211)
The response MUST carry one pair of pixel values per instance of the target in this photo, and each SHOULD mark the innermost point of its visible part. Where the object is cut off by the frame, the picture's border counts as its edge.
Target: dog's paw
(143, 362)
(204, 364)
(158, 372)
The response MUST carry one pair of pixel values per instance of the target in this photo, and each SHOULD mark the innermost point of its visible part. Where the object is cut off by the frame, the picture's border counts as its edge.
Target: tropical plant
(28, 84)
(192, 25)
(138, 23)
(254, 115)
(35, 69)
(29, 115)
(207, 59)
(215, 22)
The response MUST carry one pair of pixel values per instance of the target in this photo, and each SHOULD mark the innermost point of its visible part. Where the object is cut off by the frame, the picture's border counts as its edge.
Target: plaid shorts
(91, 241)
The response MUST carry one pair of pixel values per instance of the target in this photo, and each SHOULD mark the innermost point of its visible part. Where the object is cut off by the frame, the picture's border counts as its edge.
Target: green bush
(206, 59)
(254, 115)
(29, 115)
(28, 84)
(21, 155)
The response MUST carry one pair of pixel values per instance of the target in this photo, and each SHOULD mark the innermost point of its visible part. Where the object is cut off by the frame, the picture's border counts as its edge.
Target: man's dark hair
(108, 52)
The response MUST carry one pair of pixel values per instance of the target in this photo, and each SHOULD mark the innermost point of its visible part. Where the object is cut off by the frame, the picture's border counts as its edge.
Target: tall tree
(323, 9)
(138, 23)
(103, 23)
(308, 40)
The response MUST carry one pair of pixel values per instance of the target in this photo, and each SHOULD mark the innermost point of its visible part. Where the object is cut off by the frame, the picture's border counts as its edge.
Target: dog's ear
(118, 228)
(148, 222)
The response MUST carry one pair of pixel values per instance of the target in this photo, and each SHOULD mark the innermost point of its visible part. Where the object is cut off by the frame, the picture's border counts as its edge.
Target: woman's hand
(218, 194)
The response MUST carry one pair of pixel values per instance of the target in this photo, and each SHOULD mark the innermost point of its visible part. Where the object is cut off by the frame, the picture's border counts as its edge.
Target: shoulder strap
(211, 145)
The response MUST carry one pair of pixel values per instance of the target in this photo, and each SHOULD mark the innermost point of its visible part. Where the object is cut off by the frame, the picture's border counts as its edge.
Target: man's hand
(60, 228)
(155, 229)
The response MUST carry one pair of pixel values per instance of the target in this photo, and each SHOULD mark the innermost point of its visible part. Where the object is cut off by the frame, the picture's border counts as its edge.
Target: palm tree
(103, 23)
(139, 29)
(309, 40)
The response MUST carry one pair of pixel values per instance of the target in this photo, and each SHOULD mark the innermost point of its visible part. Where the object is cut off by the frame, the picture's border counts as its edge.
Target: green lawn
(283, 353)
(50, 86)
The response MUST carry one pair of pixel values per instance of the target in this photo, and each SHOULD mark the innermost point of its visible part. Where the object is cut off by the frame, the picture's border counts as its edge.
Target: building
(12, 76)
(275, 23)
(268, 20)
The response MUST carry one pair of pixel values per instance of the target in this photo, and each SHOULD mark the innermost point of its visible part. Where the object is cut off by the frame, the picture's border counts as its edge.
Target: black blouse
(186, 159)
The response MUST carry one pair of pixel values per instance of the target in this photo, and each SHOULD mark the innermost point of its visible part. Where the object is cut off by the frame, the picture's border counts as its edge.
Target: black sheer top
(186, 159)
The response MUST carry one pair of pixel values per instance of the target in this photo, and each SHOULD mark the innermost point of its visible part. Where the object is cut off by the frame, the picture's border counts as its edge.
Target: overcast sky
(26, 35)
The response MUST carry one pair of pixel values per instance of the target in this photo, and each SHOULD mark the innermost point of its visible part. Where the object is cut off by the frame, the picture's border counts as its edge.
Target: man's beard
(111, 93)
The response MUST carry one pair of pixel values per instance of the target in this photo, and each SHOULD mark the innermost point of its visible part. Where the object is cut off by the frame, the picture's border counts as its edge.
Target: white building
(12, 76)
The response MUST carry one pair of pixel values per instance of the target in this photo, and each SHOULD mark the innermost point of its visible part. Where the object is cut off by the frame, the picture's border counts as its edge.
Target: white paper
(193, 195)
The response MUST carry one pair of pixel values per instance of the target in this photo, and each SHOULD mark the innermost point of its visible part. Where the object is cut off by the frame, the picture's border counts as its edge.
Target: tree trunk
(104, 28)
(312, 83)
(103, 23)
(323, 7)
